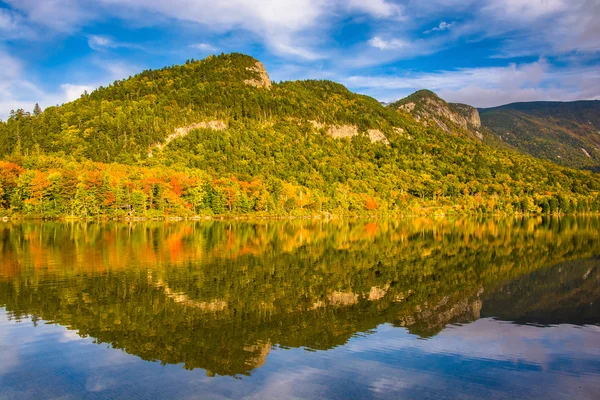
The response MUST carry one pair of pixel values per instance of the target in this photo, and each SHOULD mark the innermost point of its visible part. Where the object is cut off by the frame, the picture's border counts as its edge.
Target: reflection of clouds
(69, 336)
(485, 359)
(387, 385)
(291, 384)
(494, 340)
(99, 383)
(10, 353)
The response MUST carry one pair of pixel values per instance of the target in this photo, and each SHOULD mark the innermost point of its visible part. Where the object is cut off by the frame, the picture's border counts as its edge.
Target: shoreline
(326, 217)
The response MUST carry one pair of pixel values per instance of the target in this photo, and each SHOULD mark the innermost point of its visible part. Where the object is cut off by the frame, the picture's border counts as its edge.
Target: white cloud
(12, 25)
(443, 26)
(277, 23)
(489, 86)
(115, 70)
(291, 27)
(59, 15)
(526, 10)
(101, 43)
(522, 28)
(392, 44)
(300, 30)
(98, 42)
(204, 47)
(73, 92)
(10, 67)
(377, 8)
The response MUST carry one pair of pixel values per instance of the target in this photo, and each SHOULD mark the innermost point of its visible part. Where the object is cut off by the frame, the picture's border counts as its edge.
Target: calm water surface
(411, 309)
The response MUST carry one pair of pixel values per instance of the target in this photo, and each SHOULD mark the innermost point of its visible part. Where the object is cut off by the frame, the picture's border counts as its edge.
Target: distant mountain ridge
(567, 133)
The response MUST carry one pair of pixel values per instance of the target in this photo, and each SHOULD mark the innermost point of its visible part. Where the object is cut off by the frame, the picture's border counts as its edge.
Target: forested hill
(123, 121)
(216, 136)
(567, 133)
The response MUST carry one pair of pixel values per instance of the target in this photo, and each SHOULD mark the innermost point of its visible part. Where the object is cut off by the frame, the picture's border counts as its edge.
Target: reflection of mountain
(218, 295)
(567, 293)
(428, 320)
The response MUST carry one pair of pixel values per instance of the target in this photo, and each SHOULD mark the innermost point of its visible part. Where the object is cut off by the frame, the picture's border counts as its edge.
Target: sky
(480, 52)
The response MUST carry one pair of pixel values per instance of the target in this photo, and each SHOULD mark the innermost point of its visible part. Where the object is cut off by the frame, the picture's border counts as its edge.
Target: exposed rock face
(263, 80)
(184, 130)
(342, 131)
(408, 107)
(586, 152)
(436, 107)
(347, 131)
(179, 132)
(450, 117)
(377, 136)
(470, 114)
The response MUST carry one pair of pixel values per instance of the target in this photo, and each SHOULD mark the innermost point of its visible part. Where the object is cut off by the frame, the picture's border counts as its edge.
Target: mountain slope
(123, 121)
(218, 137)
(566, 133)
(453, 118)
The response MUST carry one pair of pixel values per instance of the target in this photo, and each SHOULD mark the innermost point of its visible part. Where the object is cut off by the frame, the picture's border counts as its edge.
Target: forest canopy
(211, 138)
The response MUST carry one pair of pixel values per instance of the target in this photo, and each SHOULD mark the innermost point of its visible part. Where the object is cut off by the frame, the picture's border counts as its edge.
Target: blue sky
(481, 52)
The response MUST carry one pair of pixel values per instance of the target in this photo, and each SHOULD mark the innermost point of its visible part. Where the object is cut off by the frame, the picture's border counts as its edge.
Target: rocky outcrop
(184, 130)
(586, 152)
(452, 118)
(342, 131)
(408, 107)
(436, 107)
(179, 132)
(348, 131)
(377, 136)
(468, 113)
(262, 79)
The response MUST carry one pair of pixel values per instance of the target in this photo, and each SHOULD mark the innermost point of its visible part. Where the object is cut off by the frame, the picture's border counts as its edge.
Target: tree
(37, 110)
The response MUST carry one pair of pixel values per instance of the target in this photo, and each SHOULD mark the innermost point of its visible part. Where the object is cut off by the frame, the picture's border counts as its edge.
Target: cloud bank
(483, 52)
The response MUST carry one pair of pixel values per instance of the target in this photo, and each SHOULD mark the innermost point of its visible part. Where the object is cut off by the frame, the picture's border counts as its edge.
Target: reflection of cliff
(184, 299)
(208, 301)
(567, 293)
(429, 319)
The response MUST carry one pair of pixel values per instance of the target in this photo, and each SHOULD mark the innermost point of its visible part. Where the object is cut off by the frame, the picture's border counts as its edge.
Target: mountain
(566, 133)
(217, 137)
(453, 118)
(124, 121)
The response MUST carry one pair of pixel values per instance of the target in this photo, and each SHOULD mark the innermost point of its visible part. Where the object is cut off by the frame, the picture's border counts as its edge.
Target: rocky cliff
(452, 118)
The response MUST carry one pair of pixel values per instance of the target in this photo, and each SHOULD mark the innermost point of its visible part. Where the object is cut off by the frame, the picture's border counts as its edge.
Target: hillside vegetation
(565, 133)
(217, 137)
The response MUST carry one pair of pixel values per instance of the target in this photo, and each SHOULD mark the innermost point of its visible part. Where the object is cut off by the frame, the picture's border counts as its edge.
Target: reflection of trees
(218, 295)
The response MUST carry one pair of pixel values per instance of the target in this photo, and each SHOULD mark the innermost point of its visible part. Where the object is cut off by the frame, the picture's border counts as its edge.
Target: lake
(342, 309)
